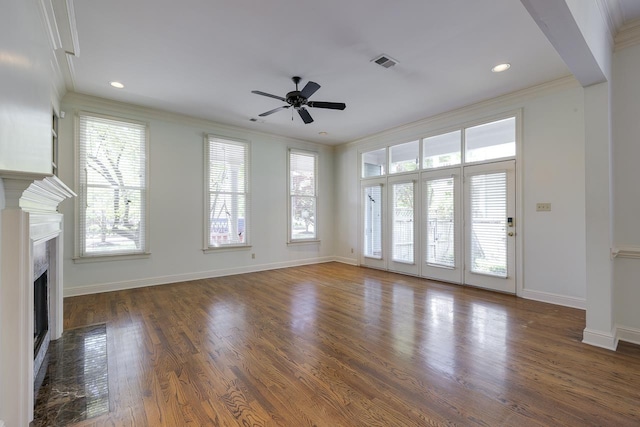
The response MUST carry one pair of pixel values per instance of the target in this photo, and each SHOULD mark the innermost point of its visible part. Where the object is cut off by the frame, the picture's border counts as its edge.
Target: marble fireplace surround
(30, 217)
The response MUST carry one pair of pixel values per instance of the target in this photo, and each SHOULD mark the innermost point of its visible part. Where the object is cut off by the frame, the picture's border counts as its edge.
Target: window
(112, 165)
(227, 181)
(442, 150)
(404, 157)
(373, 163)
(303, 177)
(490, 141)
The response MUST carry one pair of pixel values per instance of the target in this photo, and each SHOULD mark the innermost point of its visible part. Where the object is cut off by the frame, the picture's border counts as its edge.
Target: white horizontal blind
(488, 223)
(440, 231)
(403, 225)
(303, 170)
(113, 179)
(373, 221)
(228, 192)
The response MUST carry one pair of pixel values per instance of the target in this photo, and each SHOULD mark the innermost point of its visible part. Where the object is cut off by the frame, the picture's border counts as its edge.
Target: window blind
(373, 221)
(112, 159)
(488, 223)
(303, 168)
(228, 192)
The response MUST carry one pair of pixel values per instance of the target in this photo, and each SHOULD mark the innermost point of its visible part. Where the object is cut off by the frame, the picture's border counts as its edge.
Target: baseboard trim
(164, 280)
(556, 299)
(344, 260)
(607, 340)
(626, 334)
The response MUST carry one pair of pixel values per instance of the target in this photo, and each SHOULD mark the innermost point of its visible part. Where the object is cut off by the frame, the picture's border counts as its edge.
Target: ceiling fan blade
(274, 110)
(309, 89)
(257, 92)
(329, 105)
(304, 115)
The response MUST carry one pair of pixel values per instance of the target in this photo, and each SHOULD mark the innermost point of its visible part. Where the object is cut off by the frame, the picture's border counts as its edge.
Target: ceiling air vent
(384, 60)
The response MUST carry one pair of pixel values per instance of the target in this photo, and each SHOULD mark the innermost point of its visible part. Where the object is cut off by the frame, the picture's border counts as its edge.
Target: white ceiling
(203, 58)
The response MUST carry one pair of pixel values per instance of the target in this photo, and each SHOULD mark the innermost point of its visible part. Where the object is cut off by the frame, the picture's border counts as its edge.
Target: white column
(599, 330)
(16, 394)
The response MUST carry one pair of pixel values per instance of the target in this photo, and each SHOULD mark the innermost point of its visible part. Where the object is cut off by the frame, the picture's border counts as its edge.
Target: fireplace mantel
(30, 217)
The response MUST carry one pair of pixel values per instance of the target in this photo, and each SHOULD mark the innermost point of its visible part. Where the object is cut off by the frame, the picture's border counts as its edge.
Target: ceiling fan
(298, 99)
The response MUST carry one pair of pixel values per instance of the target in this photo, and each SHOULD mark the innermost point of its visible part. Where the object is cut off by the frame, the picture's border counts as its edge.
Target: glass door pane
(440, 249)
(402, 223)
(442, 226)
(373, 221)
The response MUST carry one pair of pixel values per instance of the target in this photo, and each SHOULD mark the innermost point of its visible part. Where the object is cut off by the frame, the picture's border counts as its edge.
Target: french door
(373, 226)
(441, 226)
(489, 226)
(403, 224)
(441, 203)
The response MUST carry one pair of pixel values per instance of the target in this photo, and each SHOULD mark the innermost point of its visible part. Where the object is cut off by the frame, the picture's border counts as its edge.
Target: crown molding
(613, 17)
(58, 17)
(629, 35)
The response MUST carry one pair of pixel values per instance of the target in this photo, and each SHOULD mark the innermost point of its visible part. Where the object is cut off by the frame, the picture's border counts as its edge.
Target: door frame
(484, 280)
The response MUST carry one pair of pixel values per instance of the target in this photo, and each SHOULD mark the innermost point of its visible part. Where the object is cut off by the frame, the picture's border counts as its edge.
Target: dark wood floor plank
(336, 345)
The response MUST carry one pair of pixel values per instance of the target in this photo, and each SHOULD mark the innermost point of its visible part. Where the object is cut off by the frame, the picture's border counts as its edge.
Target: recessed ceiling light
(323, 133)
(501, 67)
(117, 85)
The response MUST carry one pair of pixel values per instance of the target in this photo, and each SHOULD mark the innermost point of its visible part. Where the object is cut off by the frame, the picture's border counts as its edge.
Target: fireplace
(41, 302)
(31, 256)
(40, 314)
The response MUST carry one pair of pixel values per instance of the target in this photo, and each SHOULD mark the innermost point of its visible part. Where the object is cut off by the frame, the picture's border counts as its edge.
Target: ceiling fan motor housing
(295, 99)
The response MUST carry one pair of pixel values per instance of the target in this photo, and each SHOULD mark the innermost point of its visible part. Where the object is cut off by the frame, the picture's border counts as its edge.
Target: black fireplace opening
(40, 311)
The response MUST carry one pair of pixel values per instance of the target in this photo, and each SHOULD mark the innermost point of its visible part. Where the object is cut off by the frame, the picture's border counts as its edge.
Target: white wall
(626, 156)
(176, 204)
(552, 170)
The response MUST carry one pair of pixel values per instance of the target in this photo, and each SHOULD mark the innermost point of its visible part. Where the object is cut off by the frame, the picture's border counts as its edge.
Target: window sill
(102, 258)
(211, 250)
(303, 242)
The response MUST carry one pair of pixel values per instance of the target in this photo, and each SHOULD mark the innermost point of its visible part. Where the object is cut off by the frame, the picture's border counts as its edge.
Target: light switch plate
(543, 207)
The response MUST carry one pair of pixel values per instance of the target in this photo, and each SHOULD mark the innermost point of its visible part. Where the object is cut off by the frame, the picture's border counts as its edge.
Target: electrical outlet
(543, 207)
(253, 256)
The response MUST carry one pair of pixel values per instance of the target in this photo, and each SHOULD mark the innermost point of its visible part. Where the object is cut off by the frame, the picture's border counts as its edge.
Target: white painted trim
(176, 278)
(627, 334)
(629, 35)
(348, 261)
(626, 252)
(552, 298)
(606, 340)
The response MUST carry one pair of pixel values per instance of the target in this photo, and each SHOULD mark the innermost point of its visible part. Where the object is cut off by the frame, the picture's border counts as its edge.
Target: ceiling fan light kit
(299, 99)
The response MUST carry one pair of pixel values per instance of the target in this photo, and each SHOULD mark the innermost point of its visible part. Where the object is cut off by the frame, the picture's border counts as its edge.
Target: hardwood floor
(336, 345)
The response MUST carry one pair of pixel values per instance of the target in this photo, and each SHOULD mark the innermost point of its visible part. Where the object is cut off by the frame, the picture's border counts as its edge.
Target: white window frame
(209, 139)
(290, 195)
(79, 252)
